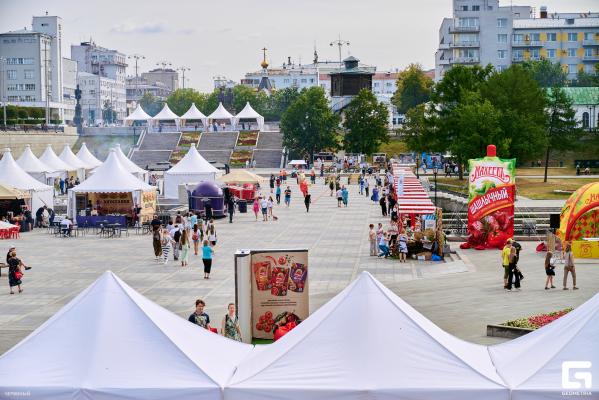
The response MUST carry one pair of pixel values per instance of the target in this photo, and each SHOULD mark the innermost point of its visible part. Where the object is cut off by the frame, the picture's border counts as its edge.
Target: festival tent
(194, 114)
(87, 157)
(367, 343)
(296, 163)
(249, 113)
(192, 168)
(130, 165)
(138, 115)
(33, 166)
(558, 358)
(110, 342)
(221, 113)
(166, 115)
(70, 158)
(241, 176)
(11, 200)
(13, 175)
(50, 158)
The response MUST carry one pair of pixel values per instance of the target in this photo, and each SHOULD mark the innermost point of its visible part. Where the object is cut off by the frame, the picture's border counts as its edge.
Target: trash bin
(242, 206)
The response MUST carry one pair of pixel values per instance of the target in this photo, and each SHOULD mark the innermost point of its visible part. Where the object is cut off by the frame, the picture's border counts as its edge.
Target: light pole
(136, 57)
(183, 69)
(435, 171)
(340, 43)
(2, 90)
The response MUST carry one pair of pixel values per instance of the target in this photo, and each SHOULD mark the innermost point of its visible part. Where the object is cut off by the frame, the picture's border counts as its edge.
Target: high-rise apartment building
(483, 32)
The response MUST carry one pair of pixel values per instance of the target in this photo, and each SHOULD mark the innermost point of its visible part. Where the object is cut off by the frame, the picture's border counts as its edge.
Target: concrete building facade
(166, 76)
(96, 92)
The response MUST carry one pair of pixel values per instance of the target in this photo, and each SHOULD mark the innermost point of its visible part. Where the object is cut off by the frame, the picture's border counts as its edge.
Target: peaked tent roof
(87, 157)
(87, 350)
(531, 365)
(192, 163)
(8, 192)
(15, 176)
(70, 158)
(220, 113)
(50, 158)
(241, 176)
(138, 115)
(31, 164)
(247, 112)
(193, 113)
(112, 177)
(128, 164)
(165, 114)
(327, 356)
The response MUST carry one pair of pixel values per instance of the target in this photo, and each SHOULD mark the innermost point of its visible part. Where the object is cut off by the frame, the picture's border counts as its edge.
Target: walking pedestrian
(384, 246)
(176, 235)
(184, 248)
(270, 204)
(361, 183)
(383, 203)
(230, 325)
(212, 235)
(366, 187)
(231, 208)
(339, 197)
(403, 247)
(256, 207)
(505, 261)
(549, 270)
(207, 253)
(513, 275)
(331, 186)
(15, 272)
(196, 236)
(199, 317)
(165, 244)
(278, 194)
(344, 195)
(569, 267)
(307, 201)
(264, 207)
(156, 242)
(287, 196)
(372, 240)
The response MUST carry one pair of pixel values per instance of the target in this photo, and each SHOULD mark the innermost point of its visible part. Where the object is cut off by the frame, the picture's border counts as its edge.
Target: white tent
(367, 343)
(138, 115)
(560, 357)
(194, 114)
(166, 115)
(33, 166)
(249, 113)
(110, 342)
(192, 168)
(71, 159)
(13, 175)
(130, 165)
(50, 158)
(221, 113)
(87, 157)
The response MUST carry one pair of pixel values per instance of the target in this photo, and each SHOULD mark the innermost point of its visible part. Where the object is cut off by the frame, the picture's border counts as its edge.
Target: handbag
(18, 275)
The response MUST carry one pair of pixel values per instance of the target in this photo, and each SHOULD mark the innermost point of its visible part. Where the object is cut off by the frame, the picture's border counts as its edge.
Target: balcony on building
(592, 57)
(444, 46)
(444, 61)
(590, 42)
(527, 43)
(518, 58)
(464, 29)
(469, 43)
(464, 60)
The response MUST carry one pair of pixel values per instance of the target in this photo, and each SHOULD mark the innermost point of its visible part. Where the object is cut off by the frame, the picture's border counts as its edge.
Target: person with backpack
(176, 235)
(197, 235)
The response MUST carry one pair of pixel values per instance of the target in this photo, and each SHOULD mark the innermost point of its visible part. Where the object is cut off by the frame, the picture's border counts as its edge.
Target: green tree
(309, 124)
(23, 113)
(413, 88)
(243, 94)
(585, 79)
(546, 73)
(181, 99)
(562, 127)
(150, 104)
(366, 123)
(521, 102)
(279, 101)
(211, 103)
(418, 129)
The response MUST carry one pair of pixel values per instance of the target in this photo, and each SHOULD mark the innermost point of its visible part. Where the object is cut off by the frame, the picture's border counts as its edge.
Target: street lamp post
(339, 43)
(136, 57)
(435, 171)
(183, 69)
(2, 89)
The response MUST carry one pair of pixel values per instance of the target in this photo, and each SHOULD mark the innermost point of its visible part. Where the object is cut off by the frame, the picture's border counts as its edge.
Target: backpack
(177, 236)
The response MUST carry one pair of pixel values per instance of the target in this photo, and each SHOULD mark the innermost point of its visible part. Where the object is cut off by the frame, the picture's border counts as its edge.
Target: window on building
(551, 37)
(501, 54)
(550, 53)
(502, 38)
(572, 37)
(11, 74)
(585, 120)
(588, 52)
(30, 86)
(589, 36)
(388, 84)
(572, 68)
(464, 8)
(502, 22)
(467, 22)
(589, 69)
(475, 8)
(285, 80)
(28, 74)
(571, 52)
(376, 84)
(311, 80)
(518, 38)
(304, 81)
(534, 54)
(535, 37)
(518, 54)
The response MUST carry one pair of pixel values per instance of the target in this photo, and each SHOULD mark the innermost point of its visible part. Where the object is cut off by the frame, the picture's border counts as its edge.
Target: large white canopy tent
(34, 167)
(50, 158)
(87, 157)
(221, 114)
(13, 175)
(110, 342)
(191, 169)
(130, 165)
(249, 113)
(367, 343)
(193, 114)
(71, 159)
(110, 177)
(166, 115)
(138, 115)
(533, 365)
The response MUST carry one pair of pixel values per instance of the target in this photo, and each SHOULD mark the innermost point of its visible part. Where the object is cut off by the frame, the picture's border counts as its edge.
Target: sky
(225, 37)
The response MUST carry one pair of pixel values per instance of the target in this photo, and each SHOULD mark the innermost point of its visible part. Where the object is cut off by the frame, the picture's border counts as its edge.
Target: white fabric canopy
(194, 114)
(165, 114)
(249, 113)
(221, 113)
(33, 166)
(13, 175)
(192, 168)
(70, 158)
(87, 157)
(110, 342)
(296, 162)
(50, 158)
(367, 343)
(138, 115)
(532, 365)
(130, 165)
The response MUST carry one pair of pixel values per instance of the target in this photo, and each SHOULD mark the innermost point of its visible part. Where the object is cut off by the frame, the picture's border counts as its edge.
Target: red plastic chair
(15, 232)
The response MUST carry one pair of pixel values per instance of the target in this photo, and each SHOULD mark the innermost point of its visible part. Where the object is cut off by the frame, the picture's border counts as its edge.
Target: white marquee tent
(50, 158)
(367, 343)
(13, 175)
(221, 113)
(166, 115)
(71, 159)
(87, 157)
(34, 167)
(194, 114)
(130, 165)
(249, 113)
(533, 365)
(110, 342)
(138, 115)
(192, 168)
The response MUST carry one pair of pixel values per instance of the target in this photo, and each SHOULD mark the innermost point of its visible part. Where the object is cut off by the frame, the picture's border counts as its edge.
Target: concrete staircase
(155, 147)
(270, 141)
(217, 147)
(269, 149)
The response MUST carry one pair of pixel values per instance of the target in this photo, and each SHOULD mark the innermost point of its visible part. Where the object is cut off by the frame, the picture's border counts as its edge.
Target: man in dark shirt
(199, 317)
(155, 223)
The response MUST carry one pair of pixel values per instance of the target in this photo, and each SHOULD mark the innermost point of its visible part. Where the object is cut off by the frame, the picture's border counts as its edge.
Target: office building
(166, 76)
(97, 93)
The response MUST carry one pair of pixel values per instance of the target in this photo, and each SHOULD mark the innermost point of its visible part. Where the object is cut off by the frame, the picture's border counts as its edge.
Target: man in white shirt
(65, 226)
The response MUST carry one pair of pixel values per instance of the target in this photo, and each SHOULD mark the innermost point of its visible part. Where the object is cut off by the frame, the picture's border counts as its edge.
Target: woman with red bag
(15, 273)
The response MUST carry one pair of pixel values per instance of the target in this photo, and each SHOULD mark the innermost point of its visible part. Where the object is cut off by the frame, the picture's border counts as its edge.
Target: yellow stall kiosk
(579, 221)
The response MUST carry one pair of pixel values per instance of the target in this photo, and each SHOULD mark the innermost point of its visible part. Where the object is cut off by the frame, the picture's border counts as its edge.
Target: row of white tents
(193, 114)
(365, 343)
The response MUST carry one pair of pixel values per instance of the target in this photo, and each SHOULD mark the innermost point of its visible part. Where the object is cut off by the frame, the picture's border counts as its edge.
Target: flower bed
(188, 139)
(177, 155)
(537, 321)
(247, 138)
(239, 157)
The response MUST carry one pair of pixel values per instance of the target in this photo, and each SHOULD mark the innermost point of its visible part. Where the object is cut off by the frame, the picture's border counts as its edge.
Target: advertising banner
(491, 195)
(279, 291)
(112, 203)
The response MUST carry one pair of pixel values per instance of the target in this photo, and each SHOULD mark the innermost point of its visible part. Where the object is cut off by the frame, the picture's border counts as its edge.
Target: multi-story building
(137, 87)
(97, 92)
(167, 76)
(482, 32)
(69, 85)
(222, 82)
(33, 68)
(109, 66)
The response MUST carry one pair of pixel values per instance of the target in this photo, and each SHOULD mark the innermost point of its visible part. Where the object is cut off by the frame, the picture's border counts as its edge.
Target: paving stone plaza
(461, 295)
